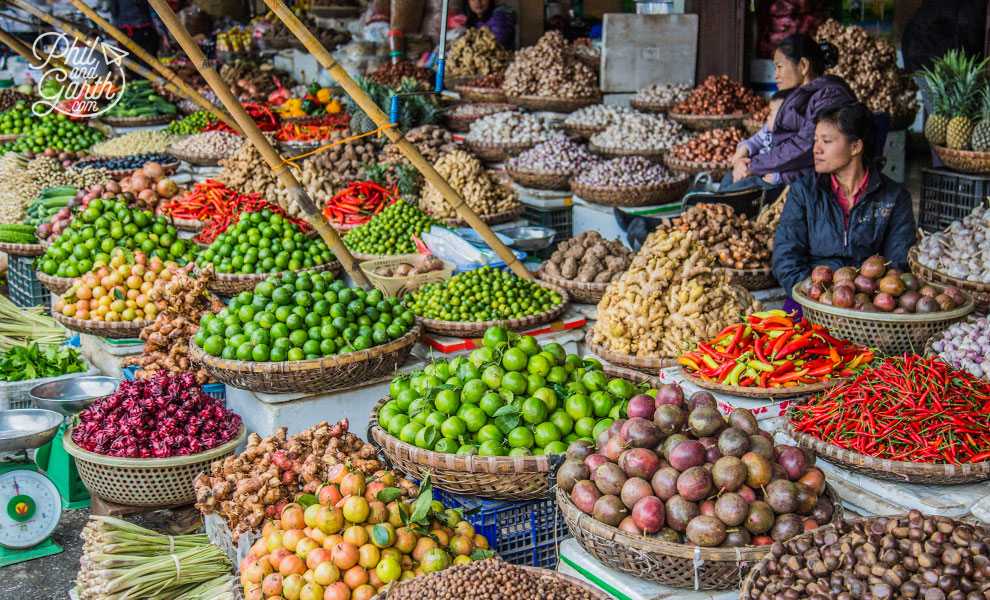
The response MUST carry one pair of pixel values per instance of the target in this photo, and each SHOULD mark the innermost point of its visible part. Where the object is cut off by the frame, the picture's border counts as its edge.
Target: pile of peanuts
(473, 182)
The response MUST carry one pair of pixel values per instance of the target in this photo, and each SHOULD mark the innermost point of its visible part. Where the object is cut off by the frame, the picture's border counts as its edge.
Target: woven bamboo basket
(199, 161)
(473, 329)
(506, 216)
(718, 170)
(313, 376)
(966, 161)
(891, 333)
(480, 94)
(462, 123)
(494, 477)
(777, 393)
(978, 290)
(753, 279)
(145, 481)
(10, 137)
(647, 195)
(55, 285)
(889, 470)
(644, 364)
(400, 286)
(541, 180)
(138, 121)
(579, 291)
(752, 125)
(497, 152)
(27, 250)
(115, 330)
(651, 107)
(559, 105)
(706, 122)
(654, 155)
(676, 565)
(231, 284)
(583, 131)
(190, 225)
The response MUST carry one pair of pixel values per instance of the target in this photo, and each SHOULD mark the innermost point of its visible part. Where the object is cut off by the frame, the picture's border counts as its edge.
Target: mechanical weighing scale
(29, 502)
(68, 397)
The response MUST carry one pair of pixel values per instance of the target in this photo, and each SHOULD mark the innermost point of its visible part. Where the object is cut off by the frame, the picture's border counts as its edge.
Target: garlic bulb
(962, 250)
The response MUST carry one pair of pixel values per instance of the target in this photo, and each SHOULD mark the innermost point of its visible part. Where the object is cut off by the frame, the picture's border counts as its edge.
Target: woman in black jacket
(848, 210)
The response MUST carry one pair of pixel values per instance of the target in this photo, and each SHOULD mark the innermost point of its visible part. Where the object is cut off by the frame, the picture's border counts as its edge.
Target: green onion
(22, 326)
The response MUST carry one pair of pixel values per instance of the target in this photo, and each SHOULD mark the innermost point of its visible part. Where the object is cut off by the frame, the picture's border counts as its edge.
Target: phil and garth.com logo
(77, 80)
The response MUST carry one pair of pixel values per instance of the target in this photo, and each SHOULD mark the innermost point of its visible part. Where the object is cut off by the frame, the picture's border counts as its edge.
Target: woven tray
(495, 477)
(978, 290)
(115, 330)
(497, 152)
(541, 180)
(661, 193)
(666, 563)
(190, 225)
(891, 333)
(644, 364)
(462, 123)
(966, 161)
(651, 107)
(560, 105)
(706, 122)
(579, 291)
(753, 279)
(231, 284)
(475, 329)
(199, 161)
(138, 121)
(55, 285)
(480, 94)
(28, 250)
(10, 137)
(584, 131)
(506, 216)
(654, 155)
(889, 470)
(595, 592)
(313, 376)
(752, 125)
(758, 392)
(718, 170)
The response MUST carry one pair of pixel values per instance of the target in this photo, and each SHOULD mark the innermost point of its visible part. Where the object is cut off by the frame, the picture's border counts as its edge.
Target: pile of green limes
(108, 224)
(511, 397)
(484, 294)
(302, 316)
(189, 124)
(264, 242)
(53, 130)
(391, 231)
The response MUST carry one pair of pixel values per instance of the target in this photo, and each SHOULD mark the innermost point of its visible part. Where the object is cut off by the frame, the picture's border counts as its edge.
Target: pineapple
(937, 122)
(981, 133)
(967, 78)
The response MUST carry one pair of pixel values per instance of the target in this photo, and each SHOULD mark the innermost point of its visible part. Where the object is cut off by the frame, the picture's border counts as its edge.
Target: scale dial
(30, 509)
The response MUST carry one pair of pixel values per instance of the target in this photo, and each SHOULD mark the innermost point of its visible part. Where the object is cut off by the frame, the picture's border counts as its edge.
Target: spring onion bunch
(22, 326)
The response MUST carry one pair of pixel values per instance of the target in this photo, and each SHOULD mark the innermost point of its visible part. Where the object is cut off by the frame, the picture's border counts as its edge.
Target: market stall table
(108, 355)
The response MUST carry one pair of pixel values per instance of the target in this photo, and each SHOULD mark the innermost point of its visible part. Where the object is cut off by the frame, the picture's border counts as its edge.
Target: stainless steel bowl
(530, 237)
(27, 428)
(72, 395)
(475, 238)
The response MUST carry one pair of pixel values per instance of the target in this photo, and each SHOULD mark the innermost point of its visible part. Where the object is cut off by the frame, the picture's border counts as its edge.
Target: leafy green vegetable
(21, 363)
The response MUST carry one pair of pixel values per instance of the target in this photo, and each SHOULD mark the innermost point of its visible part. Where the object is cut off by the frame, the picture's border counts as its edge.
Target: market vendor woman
(847, 211)
(498, 18)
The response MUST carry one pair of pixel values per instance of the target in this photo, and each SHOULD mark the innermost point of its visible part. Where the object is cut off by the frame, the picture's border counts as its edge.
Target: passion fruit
(706, 531)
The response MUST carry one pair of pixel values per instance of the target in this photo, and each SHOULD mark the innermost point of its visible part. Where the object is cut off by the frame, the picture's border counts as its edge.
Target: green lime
(555, 447)
(490, 432)
(490, 403)
(520, 437)
(600, 426)
(491, 448)
(578, 407)
(515, 382)
(447, 446)
(544, 433)
(601, 403)
(409, 432)
(534, 411)
(474, 417)
(447, 402)
(584, 426)
(563, 422)
(261, 353)
(453, 427)
(538, 365)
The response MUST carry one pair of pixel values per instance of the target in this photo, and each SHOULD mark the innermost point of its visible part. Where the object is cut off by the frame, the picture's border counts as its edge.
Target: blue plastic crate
(523, 533)
(213, 390)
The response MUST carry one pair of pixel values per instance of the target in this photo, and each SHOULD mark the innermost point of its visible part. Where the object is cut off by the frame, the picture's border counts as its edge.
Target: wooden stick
(18, 46)
(156, 64)
(405, 146)
(299, 198)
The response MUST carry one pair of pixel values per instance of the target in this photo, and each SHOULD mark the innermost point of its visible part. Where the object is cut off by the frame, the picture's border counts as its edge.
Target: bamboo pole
(156, 64)
(299, 197)
(18, 46)
(140, 69)
(405, 146)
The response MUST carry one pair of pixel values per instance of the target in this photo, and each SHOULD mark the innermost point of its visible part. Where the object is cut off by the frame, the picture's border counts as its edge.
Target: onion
(139, 182)
(154, 170)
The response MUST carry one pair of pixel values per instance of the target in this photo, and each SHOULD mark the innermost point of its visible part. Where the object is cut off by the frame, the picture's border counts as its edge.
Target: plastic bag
(450, 246)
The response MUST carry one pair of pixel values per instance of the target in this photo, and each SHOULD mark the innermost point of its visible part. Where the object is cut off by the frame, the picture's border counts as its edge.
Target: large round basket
(978, 290)
(776, 393)
(645, 364)
(596, 593)
(692, 167)
(313, 376)
(145, 481)
(655, 155)
(541, 180)
(646, 195)
(231, 284)
(137, 121)
(194, 159)
(495, 477)
(480, 94)
(706, 122)
(966, 161)
(474, 329)
(462, 123)
(753, 279)
(55, 285)
(889, 470)
(551, 104)
(583, 131)
(666, 563)
(497, 152)
(9, 137)
(752, 125)
(191, 225)
(891, 333)
(586, 292)
(506, 216)
(115, 330)
(26, 250)
(651, 107)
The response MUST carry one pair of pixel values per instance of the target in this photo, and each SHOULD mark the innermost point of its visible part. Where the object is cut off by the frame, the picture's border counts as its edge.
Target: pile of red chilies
(907, 409)
(263, 117)
(313, 132)
(357, 204)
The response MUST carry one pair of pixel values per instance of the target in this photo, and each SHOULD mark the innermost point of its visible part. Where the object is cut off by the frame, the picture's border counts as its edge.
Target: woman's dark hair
(821, 54)
(473, 19)
(782, 94)
(855, 122)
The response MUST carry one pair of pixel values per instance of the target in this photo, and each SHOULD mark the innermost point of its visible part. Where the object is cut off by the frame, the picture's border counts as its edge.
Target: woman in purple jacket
(499, 19)
(799, 63)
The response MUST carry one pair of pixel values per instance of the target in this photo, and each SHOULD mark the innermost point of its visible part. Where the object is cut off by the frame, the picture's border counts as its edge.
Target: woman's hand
(740, 169)
(768, 178)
